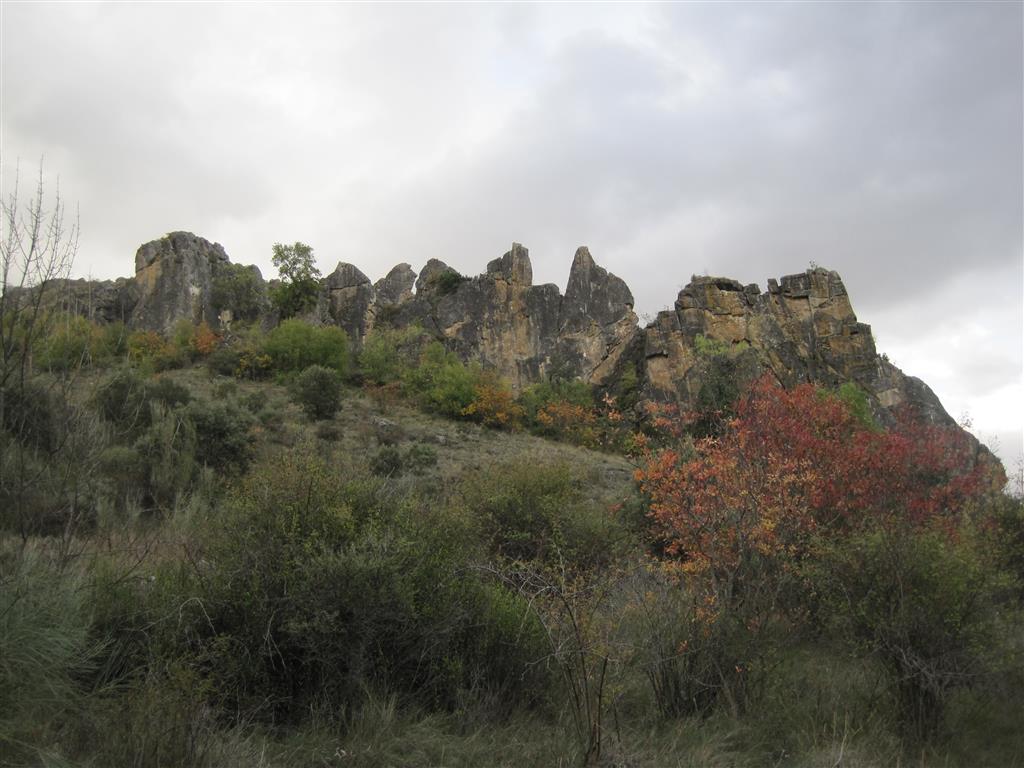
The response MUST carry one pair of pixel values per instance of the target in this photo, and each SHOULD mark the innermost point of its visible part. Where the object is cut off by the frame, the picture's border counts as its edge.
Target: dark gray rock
(396, 286)
(349, 298)
(173, 276)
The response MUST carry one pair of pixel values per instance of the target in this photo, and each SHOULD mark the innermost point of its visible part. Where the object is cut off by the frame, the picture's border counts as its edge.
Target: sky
(747, 140)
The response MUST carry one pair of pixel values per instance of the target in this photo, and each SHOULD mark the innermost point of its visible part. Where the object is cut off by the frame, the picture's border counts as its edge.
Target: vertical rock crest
(803, 328)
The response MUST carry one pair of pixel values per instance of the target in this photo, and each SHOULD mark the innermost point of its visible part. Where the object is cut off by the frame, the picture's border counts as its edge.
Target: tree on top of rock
(300, 279)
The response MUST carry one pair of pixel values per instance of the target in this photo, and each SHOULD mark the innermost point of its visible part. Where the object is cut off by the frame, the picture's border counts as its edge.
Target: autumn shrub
(149, 350)
(203, 340)
(562, 410)
(318, 391)
(493, 403)
(295, 345)
(920, 603)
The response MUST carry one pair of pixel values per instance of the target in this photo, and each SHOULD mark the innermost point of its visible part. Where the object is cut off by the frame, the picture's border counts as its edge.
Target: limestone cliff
(802, 328)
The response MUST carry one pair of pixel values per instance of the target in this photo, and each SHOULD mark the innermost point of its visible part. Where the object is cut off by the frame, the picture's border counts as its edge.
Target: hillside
(273, 541)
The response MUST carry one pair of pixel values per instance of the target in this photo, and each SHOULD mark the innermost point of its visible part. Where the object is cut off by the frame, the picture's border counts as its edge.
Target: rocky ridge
(802, 328)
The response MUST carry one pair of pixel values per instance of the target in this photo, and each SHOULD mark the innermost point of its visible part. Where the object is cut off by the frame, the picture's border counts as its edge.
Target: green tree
(240, 289)
(318, 390)
(300, 279)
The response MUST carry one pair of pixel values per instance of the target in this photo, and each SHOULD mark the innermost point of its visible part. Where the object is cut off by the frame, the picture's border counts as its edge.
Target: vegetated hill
(281, 542)
(802, 329)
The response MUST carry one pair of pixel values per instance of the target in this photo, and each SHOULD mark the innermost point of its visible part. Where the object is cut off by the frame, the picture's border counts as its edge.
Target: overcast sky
(748, 140)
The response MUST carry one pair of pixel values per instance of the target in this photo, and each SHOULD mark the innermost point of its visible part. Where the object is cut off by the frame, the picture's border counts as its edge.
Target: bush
(318, 391)
(167, 451)
(169, 392)
(919, 603)
(223, 361)
(148, 349)
(493, 403)
(448, 281)
(387, 353)
(531, 512)
(123, 400)
(295, 345)
(387, 462)
(441, 382)
(224, 437)
(323, 585)
(239, 289)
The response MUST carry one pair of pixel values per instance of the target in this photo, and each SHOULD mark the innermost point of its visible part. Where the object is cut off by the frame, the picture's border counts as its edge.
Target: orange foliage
(568, 421)
(792, 462)
(494, 405)
(203, 340)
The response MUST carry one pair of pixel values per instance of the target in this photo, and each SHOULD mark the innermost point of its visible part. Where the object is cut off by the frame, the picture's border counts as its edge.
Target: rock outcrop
(801, 329)
(174, 278)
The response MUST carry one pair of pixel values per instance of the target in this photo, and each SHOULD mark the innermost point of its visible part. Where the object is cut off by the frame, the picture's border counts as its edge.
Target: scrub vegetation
(271, 549)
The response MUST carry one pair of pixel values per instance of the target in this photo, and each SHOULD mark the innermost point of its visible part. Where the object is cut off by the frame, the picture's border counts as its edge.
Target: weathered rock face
(524, 331)
(102, 301)
(174, 277)
(396, 286)
(803, 329)
(349, 298)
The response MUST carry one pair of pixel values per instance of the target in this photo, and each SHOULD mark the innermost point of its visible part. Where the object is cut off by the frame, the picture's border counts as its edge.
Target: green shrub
(531, 512)
(324, 584)
(441, 382)
(239, 289)
(387, 462)
(295, 345)
(318, 391)
(920, 604)
(223, 361)
(123, 400)
(387, 353)
(419, 458)
(45, 651)
(224, 437)
(448, 281)
(70, 344)
(167, 451)
(168, 392)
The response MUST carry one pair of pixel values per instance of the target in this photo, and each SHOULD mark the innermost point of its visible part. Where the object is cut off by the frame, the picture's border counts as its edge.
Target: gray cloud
(883, 141)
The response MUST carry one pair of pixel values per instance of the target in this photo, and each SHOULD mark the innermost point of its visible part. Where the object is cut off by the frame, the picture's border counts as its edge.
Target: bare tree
(37, 250)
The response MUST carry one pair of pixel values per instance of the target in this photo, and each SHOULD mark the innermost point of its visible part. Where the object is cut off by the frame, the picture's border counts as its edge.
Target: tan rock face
(802, 329)
(174, 277)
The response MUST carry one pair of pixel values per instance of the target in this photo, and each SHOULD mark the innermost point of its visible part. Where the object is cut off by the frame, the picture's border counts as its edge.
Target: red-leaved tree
(795, 461)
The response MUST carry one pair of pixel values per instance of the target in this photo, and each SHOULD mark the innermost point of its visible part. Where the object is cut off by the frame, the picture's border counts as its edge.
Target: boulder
(173, 277)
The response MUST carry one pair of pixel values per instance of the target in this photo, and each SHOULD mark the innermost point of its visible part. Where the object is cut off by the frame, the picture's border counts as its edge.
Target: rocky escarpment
(801, 329)
(500, 318)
